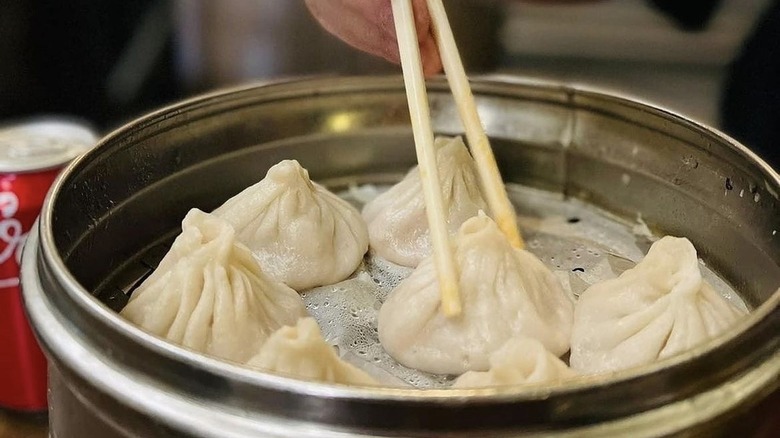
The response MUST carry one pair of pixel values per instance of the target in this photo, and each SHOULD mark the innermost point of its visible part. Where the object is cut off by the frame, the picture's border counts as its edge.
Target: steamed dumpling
(210, 295)
(657, 309)
(505, 293)
(397, 223)
(519, 361)
(302, 234)
(301, 351)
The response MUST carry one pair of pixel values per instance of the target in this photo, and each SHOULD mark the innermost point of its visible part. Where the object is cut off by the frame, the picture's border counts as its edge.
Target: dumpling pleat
(214, 297)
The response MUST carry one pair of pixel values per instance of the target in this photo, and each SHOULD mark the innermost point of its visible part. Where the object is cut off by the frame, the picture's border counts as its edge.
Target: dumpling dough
(210, 295)
(302, 352)
(657, 309)
(505, 293)
(302, 234)
(397, 223)
(519, 361)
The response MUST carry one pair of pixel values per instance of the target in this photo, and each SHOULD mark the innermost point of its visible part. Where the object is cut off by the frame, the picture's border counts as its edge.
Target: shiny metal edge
(85, 301)
(121, 383)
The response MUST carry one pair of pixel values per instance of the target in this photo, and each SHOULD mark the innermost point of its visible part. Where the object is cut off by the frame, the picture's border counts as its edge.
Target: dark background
(109, 61)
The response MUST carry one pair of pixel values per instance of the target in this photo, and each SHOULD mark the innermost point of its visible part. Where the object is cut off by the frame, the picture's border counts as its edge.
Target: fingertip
(389, 48)
(431, 69)
(431, 59)
(392, 55)
(422, 18)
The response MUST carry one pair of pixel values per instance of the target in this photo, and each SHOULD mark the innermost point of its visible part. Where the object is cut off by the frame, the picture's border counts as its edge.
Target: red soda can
(31, 156)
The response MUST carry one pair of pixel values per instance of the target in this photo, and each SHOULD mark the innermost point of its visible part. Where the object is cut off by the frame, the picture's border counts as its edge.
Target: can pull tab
(32, 147)
(42, 144)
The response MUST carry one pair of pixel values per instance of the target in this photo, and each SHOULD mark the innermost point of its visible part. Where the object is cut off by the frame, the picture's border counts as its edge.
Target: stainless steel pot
(108, 213)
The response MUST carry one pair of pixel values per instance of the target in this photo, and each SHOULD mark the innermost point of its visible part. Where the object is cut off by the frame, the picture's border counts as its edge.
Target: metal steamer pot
(109, 211)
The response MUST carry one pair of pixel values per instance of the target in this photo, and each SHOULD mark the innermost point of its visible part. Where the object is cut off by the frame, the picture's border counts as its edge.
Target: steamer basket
(109, 211)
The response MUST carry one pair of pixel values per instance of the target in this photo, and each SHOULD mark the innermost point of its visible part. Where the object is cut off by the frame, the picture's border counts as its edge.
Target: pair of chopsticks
(492, 185)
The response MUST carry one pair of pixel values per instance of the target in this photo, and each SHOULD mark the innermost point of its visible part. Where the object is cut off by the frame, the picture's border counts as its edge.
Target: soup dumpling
(657, 309)
(397, 222)
(209, 294)
(518, 361)
(505, 293)
(301, 351)
(302, 234)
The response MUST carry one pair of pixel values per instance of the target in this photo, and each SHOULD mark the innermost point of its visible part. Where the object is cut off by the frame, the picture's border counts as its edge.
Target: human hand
(368, 25)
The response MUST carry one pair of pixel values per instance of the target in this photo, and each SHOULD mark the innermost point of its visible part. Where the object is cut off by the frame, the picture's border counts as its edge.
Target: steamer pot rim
(110, 319)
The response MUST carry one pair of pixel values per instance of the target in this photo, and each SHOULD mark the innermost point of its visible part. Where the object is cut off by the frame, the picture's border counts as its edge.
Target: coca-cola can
(31, 156)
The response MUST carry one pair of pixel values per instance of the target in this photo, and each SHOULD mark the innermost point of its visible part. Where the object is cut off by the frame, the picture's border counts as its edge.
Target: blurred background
(110, 61)
(106, 61)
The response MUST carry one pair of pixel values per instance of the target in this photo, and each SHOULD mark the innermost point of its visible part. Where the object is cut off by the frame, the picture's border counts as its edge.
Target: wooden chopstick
(417, 97)
(492, 184)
